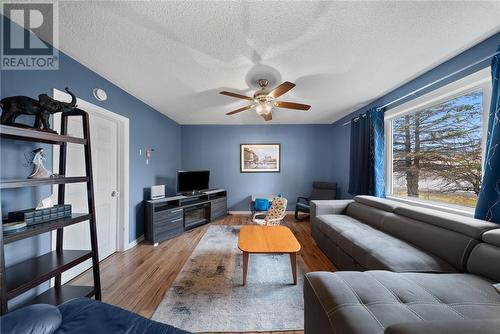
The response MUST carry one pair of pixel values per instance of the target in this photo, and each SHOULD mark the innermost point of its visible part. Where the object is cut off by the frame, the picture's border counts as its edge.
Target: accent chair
(321, 191)
(274, 215)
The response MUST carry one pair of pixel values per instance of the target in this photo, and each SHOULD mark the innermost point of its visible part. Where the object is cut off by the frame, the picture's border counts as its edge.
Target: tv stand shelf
(171, 216)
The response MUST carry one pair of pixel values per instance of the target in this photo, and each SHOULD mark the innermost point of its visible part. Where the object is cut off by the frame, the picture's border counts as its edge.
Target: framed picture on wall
(260, 158)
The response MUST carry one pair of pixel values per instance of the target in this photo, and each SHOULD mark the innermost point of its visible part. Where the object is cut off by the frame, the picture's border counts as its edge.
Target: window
(435, 144)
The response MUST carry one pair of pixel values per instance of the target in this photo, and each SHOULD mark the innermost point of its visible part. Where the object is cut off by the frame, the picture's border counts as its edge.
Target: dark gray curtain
(366, 171)
(488, 203)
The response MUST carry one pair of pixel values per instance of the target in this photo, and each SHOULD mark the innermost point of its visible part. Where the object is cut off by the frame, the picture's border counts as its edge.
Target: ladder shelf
(26, 275)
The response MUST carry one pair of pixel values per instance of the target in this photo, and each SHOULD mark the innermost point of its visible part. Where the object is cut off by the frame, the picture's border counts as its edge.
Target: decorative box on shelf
(13, 227)
(37, 216)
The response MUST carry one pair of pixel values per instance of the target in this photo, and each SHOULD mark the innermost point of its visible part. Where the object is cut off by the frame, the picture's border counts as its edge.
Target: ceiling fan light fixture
(263, 108)
(265, 101)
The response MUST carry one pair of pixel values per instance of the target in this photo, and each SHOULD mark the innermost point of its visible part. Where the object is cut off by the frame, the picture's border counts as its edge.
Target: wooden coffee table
(268, 240)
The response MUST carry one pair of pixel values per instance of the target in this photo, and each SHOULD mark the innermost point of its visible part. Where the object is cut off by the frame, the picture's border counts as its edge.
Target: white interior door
(104, 139)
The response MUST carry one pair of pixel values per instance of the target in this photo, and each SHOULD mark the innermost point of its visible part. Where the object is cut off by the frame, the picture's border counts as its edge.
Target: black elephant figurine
(14, 106)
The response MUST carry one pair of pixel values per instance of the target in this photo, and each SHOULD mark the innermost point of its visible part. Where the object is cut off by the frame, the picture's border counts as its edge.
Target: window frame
(477, 80)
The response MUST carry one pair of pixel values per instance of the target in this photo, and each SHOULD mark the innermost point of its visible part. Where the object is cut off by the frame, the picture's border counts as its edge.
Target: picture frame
(260, 158)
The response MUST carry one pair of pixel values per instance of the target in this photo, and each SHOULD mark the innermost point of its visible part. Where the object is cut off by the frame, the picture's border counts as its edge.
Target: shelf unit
(37, 136)
(23, 276)
(37, 229)
(20, 183)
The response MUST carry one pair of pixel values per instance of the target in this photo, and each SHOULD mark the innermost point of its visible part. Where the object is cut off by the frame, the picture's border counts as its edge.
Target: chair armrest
(255, 215)
(305, 200)
(329, 207)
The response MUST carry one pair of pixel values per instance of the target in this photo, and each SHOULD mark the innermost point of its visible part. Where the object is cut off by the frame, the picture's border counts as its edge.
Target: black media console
(170, 216)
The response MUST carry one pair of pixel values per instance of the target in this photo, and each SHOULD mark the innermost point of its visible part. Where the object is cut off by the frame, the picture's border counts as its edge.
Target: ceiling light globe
(264, 108)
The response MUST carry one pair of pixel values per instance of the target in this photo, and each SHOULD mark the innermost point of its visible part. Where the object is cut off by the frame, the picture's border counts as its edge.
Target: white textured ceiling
(177, 56)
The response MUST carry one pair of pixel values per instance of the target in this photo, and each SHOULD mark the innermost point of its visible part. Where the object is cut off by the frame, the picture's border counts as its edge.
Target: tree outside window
(437, 152)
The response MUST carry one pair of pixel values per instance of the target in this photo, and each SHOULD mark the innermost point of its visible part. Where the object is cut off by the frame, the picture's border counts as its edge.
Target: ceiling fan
(265, 100)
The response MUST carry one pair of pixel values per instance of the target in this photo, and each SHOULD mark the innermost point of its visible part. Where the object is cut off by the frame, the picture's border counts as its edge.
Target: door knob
(115, 193)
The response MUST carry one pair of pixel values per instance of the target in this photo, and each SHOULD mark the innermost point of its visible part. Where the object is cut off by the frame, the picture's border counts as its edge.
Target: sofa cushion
(453, 247)
(374, 249)
(337, 255)
(485, 257)
(367, 214)
(465, 225)
(84, 316)
(492, 237)
(39, 319)
(379, 203)
(369, 302)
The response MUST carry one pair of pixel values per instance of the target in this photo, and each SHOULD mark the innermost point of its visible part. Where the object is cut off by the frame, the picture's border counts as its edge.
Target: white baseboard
(135, 242)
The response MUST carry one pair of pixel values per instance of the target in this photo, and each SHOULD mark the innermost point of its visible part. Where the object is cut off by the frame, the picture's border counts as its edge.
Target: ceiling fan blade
(240, 110)
(267, 117)
(281, 89)
(238, 96)
(292, 105)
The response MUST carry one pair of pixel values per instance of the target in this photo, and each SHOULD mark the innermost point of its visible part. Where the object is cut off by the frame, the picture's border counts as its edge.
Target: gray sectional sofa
(409, 270)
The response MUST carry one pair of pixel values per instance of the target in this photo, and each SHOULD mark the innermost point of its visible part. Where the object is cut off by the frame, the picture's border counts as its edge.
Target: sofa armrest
(329, 207)
(484, 326)
(315, 316)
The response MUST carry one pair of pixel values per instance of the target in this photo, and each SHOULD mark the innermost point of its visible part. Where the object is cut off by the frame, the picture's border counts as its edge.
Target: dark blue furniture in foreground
(80, 316)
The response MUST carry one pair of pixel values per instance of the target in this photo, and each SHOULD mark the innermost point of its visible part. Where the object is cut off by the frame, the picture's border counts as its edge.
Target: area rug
(208, 296)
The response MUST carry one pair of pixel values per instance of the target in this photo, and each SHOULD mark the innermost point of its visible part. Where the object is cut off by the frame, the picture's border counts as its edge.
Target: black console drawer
(219, 200)
(218, 213)
(166, 225)
(218, 205)
(168, 214)
(166, 229)
(161, 236)
(219, 209)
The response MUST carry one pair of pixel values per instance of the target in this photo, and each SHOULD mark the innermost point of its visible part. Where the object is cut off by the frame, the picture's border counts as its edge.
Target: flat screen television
(192, 181)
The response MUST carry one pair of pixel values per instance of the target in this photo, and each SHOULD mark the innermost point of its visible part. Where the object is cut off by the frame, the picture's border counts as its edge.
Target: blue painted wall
(148, 128)
(306, 156)
(341, 134)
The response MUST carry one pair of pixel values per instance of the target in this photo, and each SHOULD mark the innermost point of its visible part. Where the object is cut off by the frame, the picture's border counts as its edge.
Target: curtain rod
(432, 83)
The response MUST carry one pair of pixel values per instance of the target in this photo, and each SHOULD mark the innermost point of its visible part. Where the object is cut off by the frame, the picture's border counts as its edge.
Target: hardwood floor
(137, 279)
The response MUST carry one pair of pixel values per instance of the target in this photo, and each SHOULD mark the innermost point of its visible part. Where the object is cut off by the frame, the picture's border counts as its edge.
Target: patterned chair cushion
(275, 213)
(277, 209)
